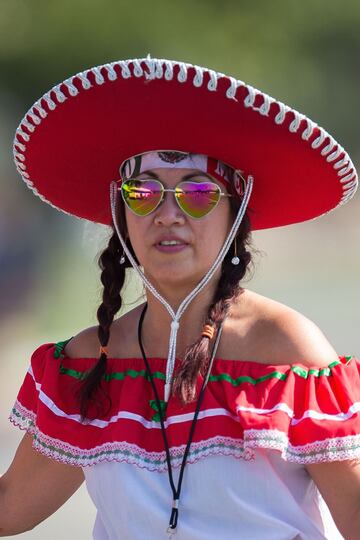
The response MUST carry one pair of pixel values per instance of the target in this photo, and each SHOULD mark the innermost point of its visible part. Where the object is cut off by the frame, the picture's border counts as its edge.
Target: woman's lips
(171, 248)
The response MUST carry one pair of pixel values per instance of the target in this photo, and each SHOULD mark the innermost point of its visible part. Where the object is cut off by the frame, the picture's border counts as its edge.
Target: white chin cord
(199, 287)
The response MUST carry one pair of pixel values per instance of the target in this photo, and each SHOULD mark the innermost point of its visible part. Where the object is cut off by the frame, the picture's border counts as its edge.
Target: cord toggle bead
(208, 331)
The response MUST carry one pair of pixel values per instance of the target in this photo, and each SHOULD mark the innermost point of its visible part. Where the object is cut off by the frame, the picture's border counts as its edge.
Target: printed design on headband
(131, 167)
(239, 183)
(172, 157)
(219, 170)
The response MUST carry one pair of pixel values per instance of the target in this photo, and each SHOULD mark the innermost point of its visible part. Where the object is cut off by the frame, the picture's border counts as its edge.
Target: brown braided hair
(196, 356)
(113, 278)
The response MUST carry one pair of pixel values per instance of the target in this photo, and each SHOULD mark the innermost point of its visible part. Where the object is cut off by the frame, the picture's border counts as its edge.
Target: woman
(152, 408)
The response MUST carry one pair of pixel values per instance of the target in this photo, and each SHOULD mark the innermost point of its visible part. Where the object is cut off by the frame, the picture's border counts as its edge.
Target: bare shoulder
(278, 334)
(86, 343)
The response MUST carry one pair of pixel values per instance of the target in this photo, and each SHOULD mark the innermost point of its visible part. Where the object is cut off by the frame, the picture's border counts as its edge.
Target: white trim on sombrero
(161, 68)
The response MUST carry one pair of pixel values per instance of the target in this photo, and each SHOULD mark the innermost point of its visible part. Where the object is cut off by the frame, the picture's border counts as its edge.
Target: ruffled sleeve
(31, 402)
(309, 415)
(25, 409)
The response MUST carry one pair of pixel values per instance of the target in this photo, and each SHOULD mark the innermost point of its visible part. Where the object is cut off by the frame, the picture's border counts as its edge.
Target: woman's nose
(168, 212)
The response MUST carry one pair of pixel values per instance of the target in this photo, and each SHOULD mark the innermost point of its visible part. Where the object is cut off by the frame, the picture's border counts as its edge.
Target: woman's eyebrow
(200, 173)
(150, 173)
(186, 177)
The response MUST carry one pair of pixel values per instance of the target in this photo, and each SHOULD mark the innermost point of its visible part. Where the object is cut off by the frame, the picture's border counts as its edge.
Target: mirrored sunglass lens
(197, 198)
(142, 196)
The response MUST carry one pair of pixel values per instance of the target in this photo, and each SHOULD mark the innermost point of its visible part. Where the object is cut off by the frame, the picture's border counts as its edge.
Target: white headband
(146, 161)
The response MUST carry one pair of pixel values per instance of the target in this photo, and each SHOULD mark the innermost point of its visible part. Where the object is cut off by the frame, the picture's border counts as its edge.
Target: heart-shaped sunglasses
(195, 198)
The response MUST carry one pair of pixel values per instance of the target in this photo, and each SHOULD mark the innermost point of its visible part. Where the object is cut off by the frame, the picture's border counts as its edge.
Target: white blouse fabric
(222, 497)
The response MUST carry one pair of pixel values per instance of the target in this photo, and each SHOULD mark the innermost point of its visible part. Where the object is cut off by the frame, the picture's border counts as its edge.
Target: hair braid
(197, 356)
(112, 278)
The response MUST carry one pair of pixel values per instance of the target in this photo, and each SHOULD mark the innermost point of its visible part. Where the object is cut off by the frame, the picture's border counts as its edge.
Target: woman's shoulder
(259, 329)
(273, 333)
(86, 344)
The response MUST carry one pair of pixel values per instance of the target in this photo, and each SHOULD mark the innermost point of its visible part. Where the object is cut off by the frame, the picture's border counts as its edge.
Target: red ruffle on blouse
(309, 415)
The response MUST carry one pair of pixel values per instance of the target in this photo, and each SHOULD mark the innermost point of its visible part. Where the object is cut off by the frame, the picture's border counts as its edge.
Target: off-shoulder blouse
(258, 425)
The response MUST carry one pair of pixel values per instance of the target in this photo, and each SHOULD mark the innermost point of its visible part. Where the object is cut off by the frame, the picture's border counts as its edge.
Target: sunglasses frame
(171, 190)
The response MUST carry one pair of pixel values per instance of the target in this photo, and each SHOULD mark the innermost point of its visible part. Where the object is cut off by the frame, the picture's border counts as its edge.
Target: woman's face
(200, 239)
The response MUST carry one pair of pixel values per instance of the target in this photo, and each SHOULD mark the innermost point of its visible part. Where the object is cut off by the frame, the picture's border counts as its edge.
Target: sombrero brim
(70, 144)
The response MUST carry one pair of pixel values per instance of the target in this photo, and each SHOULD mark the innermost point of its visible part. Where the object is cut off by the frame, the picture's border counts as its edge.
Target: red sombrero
(70, 144)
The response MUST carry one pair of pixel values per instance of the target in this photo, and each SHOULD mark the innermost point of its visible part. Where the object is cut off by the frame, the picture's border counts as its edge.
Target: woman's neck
(157, 321)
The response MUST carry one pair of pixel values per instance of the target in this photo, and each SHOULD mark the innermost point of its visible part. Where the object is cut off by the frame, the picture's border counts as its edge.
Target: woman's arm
(339, 484)
(33, 488)
(337, 481)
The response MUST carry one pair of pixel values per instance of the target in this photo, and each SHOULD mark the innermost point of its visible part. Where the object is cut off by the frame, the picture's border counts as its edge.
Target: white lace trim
(153, 68)
(329, 449)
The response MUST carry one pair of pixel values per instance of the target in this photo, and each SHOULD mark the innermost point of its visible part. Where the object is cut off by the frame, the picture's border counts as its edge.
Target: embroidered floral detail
(59, 347)
(154, 405)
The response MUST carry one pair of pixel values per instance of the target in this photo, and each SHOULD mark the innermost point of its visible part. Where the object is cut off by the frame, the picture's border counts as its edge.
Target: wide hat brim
(70, 144)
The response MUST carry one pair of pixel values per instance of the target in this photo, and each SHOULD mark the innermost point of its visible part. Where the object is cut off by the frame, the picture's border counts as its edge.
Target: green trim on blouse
(121, 375)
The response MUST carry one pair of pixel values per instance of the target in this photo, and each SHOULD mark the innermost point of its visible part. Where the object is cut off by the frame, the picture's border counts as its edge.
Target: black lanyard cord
(176, 491)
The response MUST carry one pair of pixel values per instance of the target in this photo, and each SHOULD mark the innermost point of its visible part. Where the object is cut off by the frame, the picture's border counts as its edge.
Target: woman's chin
(175, 277)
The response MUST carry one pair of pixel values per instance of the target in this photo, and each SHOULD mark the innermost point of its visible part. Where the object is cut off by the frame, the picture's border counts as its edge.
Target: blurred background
(304, 53)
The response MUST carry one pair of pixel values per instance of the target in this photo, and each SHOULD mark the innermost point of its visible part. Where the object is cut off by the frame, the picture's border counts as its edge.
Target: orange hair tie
(208, 331)
(104, 350)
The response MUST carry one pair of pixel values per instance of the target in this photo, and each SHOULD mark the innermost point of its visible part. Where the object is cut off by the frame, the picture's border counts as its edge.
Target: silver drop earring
(122, 258)
(235, 260)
